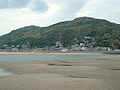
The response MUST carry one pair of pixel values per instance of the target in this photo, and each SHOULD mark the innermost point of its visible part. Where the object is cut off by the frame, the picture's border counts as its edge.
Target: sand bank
(69, 74)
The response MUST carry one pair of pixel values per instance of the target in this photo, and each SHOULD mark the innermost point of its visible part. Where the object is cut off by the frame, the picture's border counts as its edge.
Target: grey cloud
(69, 8)
(34, 5)
(38, 6)
(12, 4)
(74, 6)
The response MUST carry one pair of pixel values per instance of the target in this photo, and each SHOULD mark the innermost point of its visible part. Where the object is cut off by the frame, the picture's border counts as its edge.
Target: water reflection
(4, 73)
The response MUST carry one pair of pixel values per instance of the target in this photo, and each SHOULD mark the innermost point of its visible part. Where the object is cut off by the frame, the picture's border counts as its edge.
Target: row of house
(16, 47)
(87, 44)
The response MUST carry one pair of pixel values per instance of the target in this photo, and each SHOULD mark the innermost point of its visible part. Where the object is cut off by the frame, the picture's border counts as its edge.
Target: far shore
(47, 53)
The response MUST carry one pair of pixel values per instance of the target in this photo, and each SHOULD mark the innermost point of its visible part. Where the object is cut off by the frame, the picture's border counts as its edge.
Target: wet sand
(69, 74)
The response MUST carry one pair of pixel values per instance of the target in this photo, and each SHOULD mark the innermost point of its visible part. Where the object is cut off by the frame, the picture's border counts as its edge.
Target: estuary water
(4, 73)
(47, 57)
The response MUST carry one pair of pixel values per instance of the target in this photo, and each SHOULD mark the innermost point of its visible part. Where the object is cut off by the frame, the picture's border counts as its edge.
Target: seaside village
(86, 45)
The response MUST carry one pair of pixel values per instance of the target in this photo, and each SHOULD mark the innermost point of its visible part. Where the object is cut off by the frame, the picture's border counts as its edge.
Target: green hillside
(105, 33)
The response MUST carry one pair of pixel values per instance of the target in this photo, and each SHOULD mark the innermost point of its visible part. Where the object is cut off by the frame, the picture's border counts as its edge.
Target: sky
(15, 14)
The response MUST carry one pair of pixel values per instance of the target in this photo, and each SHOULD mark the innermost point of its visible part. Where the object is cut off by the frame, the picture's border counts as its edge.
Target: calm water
(4, 73)
(46, 57)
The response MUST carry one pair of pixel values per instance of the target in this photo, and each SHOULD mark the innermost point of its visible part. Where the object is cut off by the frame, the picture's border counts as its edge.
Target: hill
(105, 34)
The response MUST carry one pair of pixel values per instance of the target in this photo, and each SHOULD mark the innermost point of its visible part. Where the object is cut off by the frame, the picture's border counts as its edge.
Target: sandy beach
(47, 53)
(62, 74)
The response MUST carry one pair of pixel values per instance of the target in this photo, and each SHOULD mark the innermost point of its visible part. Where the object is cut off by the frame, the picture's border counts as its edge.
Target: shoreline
(47, 53)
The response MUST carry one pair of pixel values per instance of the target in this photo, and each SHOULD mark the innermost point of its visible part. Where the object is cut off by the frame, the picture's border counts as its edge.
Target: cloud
(38, 6)
(33, 5)
(13, 4)
(67, 9)
(107, 9)
(71, 7)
